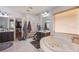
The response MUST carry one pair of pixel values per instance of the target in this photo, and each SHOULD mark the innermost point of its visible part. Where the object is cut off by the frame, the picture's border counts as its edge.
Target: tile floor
(23, 46)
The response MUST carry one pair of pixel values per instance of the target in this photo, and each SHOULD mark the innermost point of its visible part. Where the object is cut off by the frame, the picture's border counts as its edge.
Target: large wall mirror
(46, 22)
(11, 24)
(67, 21)
(3, 23)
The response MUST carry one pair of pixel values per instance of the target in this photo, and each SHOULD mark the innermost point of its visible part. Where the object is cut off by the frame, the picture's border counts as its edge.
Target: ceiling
(23, 10)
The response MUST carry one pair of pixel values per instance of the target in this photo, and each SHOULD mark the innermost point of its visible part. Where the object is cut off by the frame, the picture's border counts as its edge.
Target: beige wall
(34, 21)
(78, 23)
(67, 23)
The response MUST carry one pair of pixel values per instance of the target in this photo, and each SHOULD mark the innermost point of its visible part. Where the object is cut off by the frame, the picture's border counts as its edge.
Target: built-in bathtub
(55, 44)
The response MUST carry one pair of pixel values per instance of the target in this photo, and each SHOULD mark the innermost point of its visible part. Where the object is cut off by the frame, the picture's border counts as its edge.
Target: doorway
(18, 28)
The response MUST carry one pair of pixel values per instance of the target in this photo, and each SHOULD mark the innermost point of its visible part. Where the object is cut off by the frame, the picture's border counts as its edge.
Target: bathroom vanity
(6, 29)
(41, 34)
(6, 36)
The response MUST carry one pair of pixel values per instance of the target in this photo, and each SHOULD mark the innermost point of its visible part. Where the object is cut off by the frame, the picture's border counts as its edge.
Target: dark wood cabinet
(6, 36)
(0, 37)
(10, 36)
(42, 34)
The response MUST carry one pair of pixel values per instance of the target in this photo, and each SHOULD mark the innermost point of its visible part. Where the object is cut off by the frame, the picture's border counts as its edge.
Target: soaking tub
(54, 44)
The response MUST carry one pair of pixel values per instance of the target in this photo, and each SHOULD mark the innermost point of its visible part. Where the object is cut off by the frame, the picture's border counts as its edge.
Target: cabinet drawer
(6, 36)
(10, 36)
(0, 37)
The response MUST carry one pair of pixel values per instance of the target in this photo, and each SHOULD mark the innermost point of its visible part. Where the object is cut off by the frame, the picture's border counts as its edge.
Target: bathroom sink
(51, 44)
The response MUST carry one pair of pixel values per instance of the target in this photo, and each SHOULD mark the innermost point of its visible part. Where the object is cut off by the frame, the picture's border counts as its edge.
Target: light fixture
(29, 9)
(2, 13)
(45, 14)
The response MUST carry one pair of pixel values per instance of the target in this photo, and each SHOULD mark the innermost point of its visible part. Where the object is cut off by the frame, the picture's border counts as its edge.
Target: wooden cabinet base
(6, 36)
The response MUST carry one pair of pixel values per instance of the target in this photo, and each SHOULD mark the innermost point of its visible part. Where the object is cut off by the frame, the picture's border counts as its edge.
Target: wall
(66, 23)
(41, 21)
(78, 23)
(55, 10)
(34, 21)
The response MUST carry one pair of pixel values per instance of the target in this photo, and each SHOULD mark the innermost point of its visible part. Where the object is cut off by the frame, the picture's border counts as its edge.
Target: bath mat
(5, 45)
(36, 44)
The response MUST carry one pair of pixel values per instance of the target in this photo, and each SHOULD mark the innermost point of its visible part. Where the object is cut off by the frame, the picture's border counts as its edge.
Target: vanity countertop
(44, 31)
(7, 31)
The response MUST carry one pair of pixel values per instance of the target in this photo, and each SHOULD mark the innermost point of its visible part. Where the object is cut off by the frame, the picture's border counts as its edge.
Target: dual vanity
(6, 29)
(6, 36)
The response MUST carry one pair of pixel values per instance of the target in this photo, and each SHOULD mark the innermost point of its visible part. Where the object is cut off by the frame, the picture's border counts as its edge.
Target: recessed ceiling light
(45, 13)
